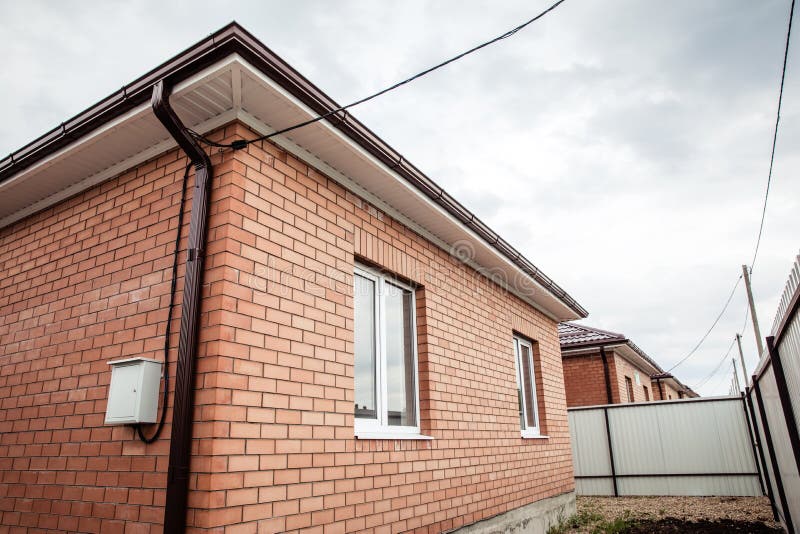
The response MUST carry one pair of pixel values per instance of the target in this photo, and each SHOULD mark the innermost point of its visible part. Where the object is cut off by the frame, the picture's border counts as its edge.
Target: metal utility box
(133, 392)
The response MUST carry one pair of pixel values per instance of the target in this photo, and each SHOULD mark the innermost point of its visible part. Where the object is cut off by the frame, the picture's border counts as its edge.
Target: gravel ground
(673, 514)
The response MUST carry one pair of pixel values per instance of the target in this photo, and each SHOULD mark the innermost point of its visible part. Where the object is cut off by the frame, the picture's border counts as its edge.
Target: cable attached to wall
(172, 291)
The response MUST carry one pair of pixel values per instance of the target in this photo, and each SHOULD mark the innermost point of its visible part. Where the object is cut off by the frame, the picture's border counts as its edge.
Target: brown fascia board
(231, 39)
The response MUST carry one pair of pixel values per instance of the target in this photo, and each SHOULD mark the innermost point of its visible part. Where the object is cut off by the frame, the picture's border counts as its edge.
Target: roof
(575, 336)
(229, 76)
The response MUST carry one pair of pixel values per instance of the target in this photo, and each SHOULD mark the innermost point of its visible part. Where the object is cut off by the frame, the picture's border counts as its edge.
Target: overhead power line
(242, 143)
(718, 383)
(774, 136)
(766, 193)
(718, 367)
(714, 324)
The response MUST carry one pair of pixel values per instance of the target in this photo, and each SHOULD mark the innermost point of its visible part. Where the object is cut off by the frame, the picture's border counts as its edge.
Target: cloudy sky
(622, 145)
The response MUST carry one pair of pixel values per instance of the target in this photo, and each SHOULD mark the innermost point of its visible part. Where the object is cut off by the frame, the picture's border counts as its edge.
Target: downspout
(606, 375)
(660, 389)
(180, 440)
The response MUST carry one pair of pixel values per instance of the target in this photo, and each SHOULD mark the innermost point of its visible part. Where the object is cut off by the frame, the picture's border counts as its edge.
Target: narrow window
(629, 386)
(526, 388)
(386, 384)
(646, 393)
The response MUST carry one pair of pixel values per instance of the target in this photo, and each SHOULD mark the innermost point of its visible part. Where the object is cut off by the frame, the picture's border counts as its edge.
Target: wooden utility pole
(756, 329)
(741, 358)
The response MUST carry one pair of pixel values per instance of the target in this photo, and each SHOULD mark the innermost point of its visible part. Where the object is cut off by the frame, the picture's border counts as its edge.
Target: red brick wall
(670, 393)
(83, 283)
(624, 368)
(87, 281)
(585, 383)
(584, 380)
(294, 235)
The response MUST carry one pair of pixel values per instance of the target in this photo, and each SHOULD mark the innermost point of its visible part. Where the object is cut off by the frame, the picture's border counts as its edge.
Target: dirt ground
(645, 515)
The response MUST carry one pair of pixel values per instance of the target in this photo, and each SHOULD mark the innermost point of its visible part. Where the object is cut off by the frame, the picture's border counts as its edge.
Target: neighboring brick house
(351, 350)
(602, 367)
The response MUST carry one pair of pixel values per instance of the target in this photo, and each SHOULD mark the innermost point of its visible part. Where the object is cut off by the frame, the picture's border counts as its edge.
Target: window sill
(533, 435)
(391, 436)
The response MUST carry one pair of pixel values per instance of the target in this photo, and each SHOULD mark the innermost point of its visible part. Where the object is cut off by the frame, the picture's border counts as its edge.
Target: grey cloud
(621, 145)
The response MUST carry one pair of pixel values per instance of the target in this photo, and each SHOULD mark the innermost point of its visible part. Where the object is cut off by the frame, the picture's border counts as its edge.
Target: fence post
(786, 402)
(611, 454)
(758, 452)
(787, 516)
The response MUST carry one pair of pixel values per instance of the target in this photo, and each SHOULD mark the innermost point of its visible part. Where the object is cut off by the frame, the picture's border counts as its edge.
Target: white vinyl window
(386, 382)
(526, 388)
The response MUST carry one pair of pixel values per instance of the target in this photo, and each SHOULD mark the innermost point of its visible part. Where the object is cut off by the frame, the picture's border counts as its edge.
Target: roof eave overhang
(232, 47)
(622, 347)
(588, 348)
(636, 359)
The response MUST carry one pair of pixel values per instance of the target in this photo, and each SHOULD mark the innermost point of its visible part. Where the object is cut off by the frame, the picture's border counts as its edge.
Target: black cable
(774, 136)
(242, 143)
(173, 288)
(718, 383)
(730, 297)
(766, 194)
(717, 368)
(744, 326)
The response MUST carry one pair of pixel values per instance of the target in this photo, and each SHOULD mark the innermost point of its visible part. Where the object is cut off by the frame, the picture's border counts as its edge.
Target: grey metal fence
(774, 400)
(686, 447)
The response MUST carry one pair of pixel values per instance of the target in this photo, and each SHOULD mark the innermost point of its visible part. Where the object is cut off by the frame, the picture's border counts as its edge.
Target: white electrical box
(133, 392)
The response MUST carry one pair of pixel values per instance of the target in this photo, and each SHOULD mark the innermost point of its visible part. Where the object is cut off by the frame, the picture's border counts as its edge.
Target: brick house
(350, 349)
(602, 367)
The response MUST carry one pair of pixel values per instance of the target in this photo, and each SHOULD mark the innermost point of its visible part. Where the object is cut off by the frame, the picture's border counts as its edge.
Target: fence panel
(767, 473)
(789, 349)
(590, 448)
(775, 390)
(687, 447)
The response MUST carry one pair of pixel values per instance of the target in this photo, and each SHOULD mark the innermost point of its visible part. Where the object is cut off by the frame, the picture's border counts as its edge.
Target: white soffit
(232, 89)
(636, 359)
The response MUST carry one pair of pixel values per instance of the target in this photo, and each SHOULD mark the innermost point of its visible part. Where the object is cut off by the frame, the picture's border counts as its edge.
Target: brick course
(585, 385)
(584, 380)
(87, 281)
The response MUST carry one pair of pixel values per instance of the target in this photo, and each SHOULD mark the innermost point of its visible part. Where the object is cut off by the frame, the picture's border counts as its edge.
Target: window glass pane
(365, 353)
(519, 385)
(400, 368)
(528, 385)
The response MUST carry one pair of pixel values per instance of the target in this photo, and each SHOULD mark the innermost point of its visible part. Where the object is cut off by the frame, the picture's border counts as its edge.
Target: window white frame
(527, 431)
(379, 428)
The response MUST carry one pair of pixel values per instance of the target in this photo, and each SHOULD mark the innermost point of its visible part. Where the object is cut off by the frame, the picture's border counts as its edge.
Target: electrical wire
(172, 291)
(718, 383)
(242, 143)
(766, 193)
(714, 324)
(774, 137)
(717, 368)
